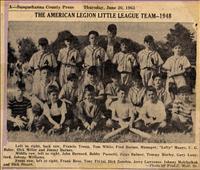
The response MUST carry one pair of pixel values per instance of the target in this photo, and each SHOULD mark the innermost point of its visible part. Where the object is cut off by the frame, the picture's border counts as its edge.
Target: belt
(125, 72)
(126, 119)
(148, 68)
(68, 65)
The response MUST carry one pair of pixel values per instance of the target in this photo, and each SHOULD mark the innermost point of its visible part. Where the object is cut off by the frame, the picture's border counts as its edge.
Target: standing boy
(69, 57)
(149, 60)
(110, 43)
(42, 58)
(93, 54)
(176, 66)
(125, 61)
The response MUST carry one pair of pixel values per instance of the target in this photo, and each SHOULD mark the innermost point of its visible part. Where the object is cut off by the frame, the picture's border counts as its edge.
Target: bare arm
(63, 112)
(10, 118)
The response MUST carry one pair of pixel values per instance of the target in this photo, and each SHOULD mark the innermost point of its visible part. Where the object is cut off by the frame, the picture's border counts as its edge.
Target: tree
(183, 36)
(26, 48)
(11, 59)
(59, 42)
(11, 56)
(163, 49)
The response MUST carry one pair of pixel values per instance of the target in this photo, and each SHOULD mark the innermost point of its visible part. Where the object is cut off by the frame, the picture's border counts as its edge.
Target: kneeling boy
(54, 111)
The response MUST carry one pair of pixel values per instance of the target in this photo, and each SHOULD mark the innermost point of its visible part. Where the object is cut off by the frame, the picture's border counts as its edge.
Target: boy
(137, 93)
(40, 90)
(149, 60)
(123, 113)
(93, 54)
(69, 92)
(92, 79)
(110, 44)
(111, 89)
(88, 111)
(69, 57)
(53, 117)
(152, 114)
(176, 66)
(19, 110)
(182, 111)
(125, 61)
(162, 94)
(42, 58)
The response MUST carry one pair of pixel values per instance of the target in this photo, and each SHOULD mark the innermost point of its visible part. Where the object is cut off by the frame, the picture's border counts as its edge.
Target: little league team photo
(101, 82)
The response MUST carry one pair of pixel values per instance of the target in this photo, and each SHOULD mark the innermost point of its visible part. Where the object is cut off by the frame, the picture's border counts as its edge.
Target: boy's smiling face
(122, 95)
(123, 47)
(151, 95)
(177, 50)
(72, 83)
(157, 82)
(53, 96)
(110, 34)
(89, 96)
(183, 96)
(147, 45)
(92, 39)
(18, 93)
(67, 43)
(44, 74)
(41, 48)
(92, 78)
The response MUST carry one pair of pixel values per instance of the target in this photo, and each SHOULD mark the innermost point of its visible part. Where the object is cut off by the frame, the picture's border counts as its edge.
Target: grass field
(97, 136)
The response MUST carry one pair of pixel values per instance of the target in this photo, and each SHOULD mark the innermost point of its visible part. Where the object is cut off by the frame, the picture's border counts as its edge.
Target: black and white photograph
(101, 82)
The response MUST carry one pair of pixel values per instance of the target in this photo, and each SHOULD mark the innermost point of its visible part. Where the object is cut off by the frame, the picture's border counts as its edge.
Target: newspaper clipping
(100, 85)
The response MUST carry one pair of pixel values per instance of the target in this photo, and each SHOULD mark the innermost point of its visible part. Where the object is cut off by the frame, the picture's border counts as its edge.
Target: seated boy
(111, 89)
(19, 110)
(137, 93)
(152, 114)
(123, 113)
(162, 93)
(53, 117)
(88, 111)
(69, 94)
(92, 79)
(182, 111)
(69, 91)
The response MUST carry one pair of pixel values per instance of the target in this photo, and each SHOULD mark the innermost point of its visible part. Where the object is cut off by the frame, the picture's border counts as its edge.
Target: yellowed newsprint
(100, 84)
